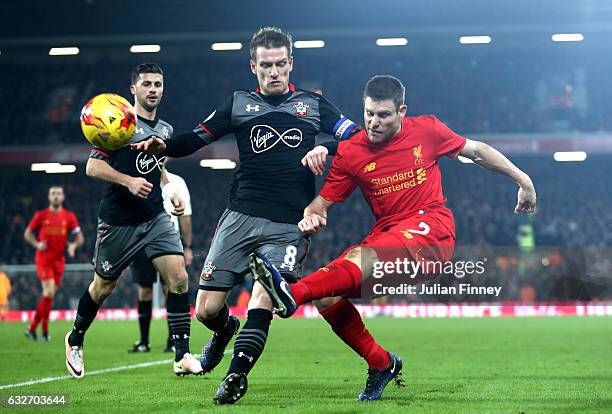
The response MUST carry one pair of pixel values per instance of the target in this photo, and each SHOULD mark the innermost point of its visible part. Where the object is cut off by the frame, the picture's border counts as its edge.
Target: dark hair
(145, 68)
(383, 87)
(270, 37)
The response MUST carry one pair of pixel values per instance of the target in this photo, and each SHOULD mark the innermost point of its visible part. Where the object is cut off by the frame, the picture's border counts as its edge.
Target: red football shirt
(397, 178)
(53, 227)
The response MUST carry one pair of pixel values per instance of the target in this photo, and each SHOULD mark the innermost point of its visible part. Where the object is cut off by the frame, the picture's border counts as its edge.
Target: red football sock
(337, 279)
(46, 310)
(348, 325)
(37, 316)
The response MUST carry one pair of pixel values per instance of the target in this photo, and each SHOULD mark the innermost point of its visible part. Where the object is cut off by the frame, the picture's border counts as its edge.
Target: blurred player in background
(142, 269)
(395, 164)
(53, 225)
(5, 292)
(131, 218)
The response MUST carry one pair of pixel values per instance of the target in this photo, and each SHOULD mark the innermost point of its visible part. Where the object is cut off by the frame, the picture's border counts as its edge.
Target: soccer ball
(108, 121)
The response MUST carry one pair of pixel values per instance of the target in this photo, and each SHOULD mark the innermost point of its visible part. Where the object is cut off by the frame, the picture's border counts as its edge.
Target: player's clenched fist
(315, 159)
(151, 146)
(312, 223)
(139, 187)
(526, 199)
(178, 204)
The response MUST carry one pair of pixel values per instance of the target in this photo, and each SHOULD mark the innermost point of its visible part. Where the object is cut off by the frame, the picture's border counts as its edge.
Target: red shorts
(428, 237)
(50, 268)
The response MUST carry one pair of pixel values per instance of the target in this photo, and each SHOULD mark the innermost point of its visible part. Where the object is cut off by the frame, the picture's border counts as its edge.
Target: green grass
(513, 365)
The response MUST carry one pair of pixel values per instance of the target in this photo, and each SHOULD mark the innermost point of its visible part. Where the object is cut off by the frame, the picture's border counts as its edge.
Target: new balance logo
(250, 108)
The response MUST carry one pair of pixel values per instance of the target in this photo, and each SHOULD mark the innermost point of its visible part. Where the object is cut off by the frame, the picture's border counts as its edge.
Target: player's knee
(322, 304)
(205, 311)
(178, 281)
(363, 257)
(145, 294)
(353, 254)
(49, 292)
(100, 289)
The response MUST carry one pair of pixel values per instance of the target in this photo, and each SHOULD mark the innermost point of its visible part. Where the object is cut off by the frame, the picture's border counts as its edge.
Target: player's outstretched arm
(491, 159)
(101, 170)
(315, 215)
(177, 147)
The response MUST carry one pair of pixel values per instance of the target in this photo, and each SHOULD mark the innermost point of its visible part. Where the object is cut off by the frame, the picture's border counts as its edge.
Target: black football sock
(251, 341)
(179, 321)
(219, 323)
(169, 341)
(145, 311)
(86, 313)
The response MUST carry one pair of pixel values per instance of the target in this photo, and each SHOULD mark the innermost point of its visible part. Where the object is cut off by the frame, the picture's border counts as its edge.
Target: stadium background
(524, 93)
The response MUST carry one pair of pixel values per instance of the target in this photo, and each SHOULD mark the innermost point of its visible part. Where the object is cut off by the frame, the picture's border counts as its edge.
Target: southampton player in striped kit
(142, 270)
(131, 218)
(53, 225)
(275, 128)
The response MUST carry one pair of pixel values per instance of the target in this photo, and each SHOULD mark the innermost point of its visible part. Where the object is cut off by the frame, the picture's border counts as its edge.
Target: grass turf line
(508, 365)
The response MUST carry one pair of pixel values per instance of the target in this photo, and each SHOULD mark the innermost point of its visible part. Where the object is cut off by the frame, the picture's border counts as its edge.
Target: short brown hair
(270, 38)
(383, 87)
(145, 68)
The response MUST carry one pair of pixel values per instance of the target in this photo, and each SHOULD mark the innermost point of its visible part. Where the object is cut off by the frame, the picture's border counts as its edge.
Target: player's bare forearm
(101, 170)
(491, 159)
(319, 206)
(315, 216)
(78, 240)
(138, 186)
(164, 177)
(186, 230)
(29, 237)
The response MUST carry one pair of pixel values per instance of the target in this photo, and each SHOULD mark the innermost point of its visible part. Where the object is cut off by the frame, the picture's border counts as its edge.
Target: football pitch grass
(507, 365)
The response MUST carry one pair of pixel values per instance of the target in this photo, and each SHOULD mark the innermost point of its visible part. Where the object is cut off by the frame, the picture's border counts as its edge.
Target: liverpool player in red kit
(53, 225)
(394, 162)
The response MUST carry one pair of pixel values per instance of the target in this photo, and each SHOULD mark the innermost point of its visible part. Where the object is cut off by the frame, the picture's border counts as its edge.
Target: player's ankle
(181, 348)
(76, 339)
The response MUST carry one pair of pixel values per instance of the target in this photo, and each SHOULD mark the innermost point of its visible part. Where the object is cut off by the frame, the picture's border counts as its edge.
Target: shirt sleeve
(73, 224)
(334, 123)
(36, 222)
(218, 124)
(339, 184)
(449, 143)
(100, 154)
